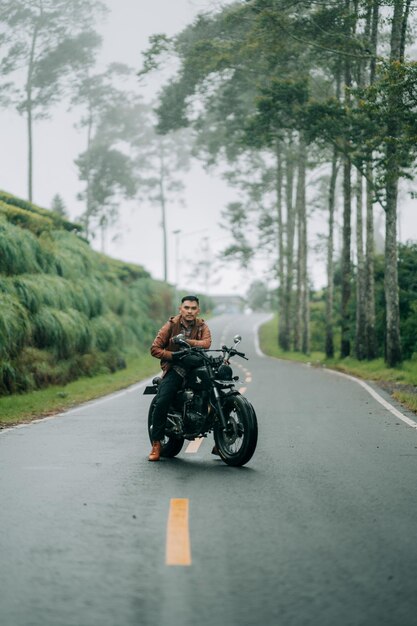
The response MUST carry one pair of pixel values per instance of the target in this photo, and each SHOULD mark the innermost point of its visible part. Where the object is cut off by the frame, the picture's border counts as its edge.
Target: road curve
(318, 528)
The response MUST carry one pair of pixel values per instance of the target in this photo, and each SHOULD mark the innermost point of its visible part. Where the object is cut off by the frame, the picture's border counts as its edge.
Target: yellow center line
(193, 446)
(178, 549)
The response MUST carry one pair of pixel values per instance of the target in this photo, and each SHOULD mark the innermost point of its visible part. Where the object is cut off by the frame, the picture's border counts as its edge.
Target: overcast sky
(139, 237)
(57, 143)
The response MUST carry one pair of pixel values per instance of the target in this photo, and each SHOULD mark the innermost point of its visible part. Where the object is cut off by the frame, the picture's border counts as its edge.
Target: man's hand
(176, 356)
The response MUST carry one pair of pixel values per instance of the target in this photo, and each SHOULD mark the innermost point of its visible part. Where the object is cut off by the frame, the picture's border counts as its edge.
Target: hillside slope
(65, 310)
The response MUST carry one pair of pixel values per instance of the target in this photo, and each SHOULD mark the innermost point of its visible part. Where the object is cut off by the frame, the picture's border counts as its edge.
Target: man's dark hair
(191, 299)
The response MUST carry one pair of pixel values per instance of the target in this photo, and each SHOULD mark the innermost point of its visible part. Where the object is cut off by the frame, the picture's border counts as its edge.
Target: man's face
(189, 310)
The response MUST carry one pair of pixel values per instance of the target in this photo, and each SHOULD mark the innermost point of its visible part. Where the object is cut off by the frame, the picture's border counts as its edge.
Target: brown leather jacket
(163, 346)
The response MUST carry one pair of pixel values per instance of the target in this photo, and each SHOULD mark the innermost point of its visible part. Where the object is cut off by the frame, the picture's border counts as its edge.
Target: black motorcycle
(208, 401)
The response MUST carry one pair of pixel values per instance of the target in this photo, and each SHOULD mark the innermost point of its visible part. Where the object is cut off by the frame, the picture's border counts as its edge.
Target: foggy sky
(138, 234)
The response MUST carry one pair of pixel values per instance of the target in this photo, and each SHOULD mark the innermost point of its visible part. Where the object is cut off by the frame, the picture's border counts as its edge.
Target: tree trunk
(29, 110)
(346, 254)
(303, 244)
(346, 260)
(88, 199)
(405, 16)
(298, 311)
(393, 342)
(103, 233)
(374, 40)
(360, 335)
(370, 334)
(301, 330)
(329, 347)
(280, 234)
(163, 211)
(288, 296)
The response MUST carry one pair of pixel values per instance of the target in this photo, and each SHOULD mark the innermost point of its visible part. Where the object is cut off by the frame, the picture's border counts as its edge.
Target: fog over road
(318, 529)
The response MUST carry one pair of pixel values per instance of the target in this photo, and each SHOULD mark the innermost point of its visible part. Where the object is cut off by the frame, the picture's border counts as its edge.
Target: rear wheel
(237, 443)
(171, 446)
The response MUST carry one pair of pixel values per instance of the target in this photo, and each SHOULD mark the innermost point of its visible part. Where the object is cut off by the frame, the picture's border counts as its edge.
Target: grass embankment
(401, 382)
(18, 409)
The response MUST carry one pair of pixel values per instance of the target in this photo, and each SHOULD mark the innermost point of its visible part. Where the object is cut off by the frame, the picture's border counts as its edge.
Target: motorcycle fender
(231, 392)
(150, 390)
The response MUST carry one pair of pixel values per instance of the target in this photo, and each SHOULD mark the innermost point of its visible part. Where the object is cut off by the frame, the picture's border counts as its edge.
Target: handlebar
(241, 354)
(227, 352)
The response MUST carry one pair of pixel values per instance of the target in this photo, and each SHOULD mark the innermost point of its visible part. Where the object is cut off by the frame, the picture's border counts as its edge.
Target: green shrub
(35, 223)
(28, 292)
(30, 208)
(88, 297)
(64, 332)
(56, 292)
(65, 310)
(73, 258)
(19, 250)
(14, 326)
(107, 332)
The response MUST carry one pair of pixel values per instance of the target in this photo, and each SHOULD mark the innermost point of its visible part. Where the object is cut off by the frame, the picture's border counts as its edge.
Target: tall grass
(31, 210)
(19, 250)
(15, 330)
(67, 311)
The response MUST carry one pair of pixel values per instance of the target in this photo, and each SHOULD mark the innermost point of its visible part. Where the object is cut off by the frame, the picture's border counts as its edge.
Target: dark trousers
(171, 383)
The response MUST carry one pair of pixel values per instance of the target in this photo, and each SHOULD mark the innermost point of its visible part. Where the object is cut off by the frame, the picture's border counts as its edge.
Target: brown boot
(215, 450)
(156, 451)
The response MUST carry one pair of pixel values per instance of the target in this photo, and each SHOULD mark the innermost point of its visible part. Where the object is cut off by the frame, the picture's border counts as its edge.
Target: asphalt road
(318, 529)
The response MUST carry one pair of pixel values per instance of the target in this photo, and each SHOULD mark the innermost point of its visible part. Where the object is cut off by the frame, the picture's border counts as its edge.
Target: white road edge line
(256, 335)
(111, 396)
(81, 407)
(387, 405)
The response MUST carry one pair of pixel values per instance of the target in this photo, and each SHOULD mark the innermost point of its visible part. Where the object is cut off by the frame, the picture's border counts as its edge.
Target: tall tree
(301, 334)
(347, 203)
(159, 161)
(360, 338)
(51, 40)
(111, 117)
(58, 205)
(329, 338)
(110, 177)
(371, 31)
(395, 95)
(238, 74)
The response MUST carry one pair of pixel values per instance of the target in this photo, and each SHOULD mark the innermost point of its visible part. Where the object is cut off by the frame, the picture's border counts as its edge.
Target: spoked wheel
(171, 446)
(237, 443)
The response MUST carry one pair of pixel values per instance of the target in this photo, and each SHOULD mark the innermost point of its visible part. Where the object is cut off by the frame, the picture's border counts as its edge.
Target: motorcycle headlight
(225, 372)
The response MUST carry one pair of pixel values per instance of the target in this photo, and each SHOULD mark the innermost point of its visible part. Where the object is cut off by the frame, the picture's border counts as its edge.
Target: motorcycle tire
(237, 444)
(171, 446)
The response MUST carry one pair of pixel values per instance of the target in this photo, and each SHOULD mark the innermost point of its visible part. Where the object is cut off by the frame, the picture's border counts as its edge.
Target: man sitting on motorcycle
(197, 334)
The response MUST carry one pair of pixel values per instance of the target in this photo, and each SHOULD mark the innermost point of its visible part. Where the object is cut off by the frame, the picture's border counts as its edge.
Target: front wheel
(237, 443)
(171, 446)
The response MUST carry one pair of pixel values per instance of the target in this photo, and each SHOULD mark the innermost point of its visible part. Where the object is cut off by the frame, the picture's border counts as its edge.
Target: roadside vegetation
(75, 324)
(311, 106)
(306, 108)
(68, 313)
(400, 381)
(23, 408)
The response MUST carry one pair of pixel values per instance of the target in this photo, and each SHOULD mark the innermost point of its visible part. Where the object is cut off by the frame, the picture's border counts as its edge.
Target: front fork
(219, 409)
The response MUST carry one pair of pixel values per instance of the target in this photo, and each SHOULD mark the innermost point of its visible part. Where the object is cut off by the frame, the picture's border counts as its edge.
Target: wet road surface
(317, 529)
